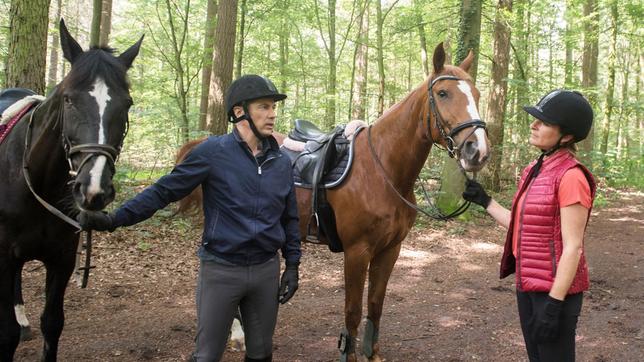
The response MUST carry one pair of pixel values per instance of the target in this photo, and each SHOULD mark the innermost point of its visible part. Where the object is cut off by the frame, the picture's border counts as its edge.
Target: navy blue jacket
(250, 210)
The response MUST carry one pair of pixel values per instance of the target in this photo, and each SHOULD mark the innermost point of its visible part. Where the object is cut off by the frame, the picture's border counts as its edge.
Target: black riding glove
(288, 284)
(96, 220)
(545, 322)
(475, 193)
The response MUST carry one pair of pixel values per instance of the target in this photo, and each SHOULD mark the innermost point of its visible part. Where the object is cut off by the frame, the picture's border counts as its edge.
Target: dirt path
(444, 302)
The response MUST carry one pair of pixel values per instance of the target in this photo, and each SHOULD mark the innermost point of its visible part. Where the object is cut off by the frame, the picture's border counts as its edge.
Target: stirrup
(315, 239)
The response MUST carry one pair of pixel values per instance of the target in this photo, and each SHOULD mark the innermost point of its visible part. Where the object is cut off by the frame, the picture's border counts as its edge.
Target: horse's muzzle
(473, 157)
(92, 199)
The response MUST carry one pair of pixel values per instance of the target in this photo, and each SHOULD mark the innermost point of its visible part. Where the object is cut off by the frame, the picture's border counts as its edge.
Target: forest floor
(445, 301)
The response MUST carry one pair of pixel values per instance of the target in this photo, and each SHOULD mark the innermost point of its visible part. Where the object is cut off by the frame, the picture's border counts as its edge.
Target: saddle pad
(6, 128)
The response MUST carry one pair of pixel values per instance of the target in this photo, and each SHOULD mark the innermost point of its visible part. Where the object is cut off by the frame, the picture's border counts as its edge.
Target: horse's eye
(67, 100)
(442, 94)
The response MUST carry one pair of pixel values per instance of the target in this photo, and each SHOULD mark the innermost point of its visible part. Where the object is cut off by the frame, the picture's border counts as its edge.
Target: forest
(344, 60)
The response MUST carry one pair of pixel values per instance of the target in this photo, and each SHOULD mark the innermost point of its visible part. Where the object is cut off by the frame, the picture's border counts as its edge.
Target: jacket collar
(268, 143)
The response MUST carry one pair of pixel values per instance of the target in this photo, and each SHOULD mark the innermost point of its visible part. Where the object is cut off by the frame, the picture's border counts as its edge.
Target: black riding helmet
(247, 88)
(567, 109)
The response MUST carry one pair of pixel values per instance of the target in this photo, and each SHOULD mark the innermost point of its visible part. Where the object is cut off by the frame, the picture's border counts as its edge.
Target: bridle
(90, 150)
(452, 148)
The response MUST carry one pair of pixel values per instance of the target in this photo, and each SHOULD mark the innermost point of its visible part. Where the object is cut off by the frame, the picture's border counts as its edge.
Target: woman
(544, 243)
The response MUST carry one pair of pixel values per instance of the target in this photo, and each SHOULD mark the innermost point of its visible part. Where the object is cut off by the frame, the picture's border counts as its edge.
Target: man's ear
(238, 111)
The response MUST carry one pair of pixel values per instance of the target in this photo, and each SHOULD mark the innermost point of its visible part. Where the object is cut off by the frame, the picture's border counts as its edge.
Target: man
(250, 212)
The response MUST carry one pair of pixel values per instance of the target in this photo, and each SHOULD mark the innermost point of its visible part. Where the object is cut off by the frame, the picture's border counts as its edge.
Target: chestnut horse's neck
(401, 141)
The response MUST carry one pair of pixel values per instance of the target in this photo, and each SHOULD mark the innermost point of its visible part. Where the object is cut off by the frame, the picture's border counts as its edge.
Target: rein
(452, 148)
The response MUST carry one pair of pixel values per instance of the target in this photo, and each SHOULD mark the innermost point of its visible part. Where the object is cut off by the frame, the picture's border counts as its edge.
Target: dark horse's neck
(46, 159)
(400, 139)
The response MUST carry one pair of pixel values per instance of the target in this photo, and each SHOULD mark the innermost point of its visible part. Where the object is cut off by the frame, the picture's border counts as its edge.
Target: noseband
(452, 147)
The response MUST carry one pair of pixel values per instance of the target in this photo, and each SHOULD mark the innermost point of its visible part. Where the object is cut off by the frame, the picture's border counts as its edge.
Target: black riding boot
(269, 358)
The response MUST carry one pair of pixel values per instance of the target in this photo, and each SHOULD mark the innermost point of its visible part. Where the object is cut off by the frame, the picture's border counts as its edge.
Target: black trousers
(561, 350)
(221, 290)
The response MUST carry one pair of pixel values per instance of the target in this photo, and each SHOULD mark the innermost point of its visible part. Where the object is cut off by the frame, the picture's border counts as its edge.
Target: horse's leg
(9, 327)
(379, 272)
(53, 317)
(356, 261)
(19, 306)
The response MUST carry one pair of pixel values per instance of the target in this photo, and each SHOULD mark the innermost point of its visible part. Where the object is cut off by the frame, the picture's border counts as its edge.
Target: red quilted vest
(539, 245)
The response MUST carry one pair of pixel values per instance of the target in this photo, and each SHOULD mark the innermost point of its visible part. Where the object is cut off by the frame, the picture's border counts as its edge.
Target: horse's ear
(467, 62)
(71, 49)
(127, 57)
(439, 58)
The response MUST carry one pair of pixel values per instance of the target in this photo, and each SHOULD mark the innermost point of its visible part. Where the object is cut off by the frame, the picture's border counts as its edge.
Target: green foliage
(541, 30)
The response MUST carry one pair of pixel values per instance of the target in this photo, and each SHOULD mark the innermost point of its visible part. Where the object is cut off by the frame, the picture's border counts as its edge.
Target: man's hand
(475, 193)
(289, 283)
(96, 220)
(545, 322)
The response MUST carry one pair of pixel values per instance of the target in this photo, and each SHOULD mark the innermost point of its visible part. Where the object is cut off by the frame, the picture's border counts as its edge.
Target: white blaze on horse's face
(465, 87)
(100, 92)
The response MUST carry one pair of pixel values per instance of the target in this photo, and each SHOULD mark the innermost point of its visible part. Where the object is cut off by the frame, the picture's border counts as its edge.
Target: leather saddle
(323, 152)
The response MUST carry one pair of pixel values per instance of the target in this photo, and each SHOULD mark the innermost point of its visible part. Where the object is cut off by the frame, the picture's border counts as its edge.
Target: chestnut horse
(372, 205)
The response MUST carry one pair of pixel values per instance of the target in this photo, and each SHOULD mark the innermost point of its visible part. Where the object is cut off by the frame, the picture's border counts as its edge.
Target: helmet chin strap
(537, 166)
(251, 123)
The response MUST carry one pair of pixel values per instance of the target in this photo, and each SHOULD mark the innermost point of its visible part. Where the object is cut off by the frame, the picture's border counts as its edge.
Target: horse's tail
(191, 204)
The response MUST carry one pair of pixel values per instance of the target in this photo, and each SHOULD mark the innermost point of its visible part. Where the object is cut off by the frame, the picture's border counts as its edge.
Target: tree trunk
(52, 77)
(206, 67)
(380, 59)
(181, 84)
(283, 61)
(27, 49)
(95, 29)
(610, 89)
(360, 62)
(469, 33)
(589, 70)
(422, 37)
(569, 41)
(222, 61)
(498, 90)
(242, 39)
(333, 64)
(106, 23)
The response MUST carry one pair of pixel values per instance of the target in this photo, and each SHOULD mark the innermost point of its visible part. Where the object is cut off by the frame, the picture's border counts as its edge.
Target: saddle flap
(307, 131)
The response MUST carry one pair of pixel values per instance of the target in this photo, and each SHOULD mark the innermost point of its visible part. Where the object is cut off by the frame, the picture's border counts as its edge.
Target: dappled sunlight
(627, 219)
(482, 247)
(448, 322)
(469, 266)
(415, 258)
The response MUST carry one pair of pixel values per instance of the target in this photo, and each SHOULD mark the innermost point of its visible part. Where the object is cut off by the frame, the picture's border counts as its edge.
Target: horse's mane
(97, 62)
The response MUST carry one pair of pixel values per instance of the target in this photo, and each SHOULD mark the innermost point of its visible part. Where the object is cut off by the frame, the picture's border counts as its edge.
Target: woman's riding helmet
(567, 109)
(247, 88)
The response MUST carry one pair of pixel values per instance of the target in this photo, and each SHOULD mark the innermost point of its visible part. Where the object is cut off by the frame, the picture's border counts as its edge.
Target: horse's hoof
(375, 358)
(25, 334)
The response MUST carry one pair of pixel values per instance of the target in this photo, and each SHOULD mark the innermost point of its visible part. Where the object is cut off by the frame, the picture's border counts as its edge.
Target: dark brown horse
(372, 219)
(59, 158)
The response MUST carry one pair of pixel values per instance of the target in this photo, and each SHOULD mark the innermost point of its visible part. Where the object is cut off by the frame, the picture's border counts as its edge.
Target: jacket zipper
(518, 261)
(553, 257)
